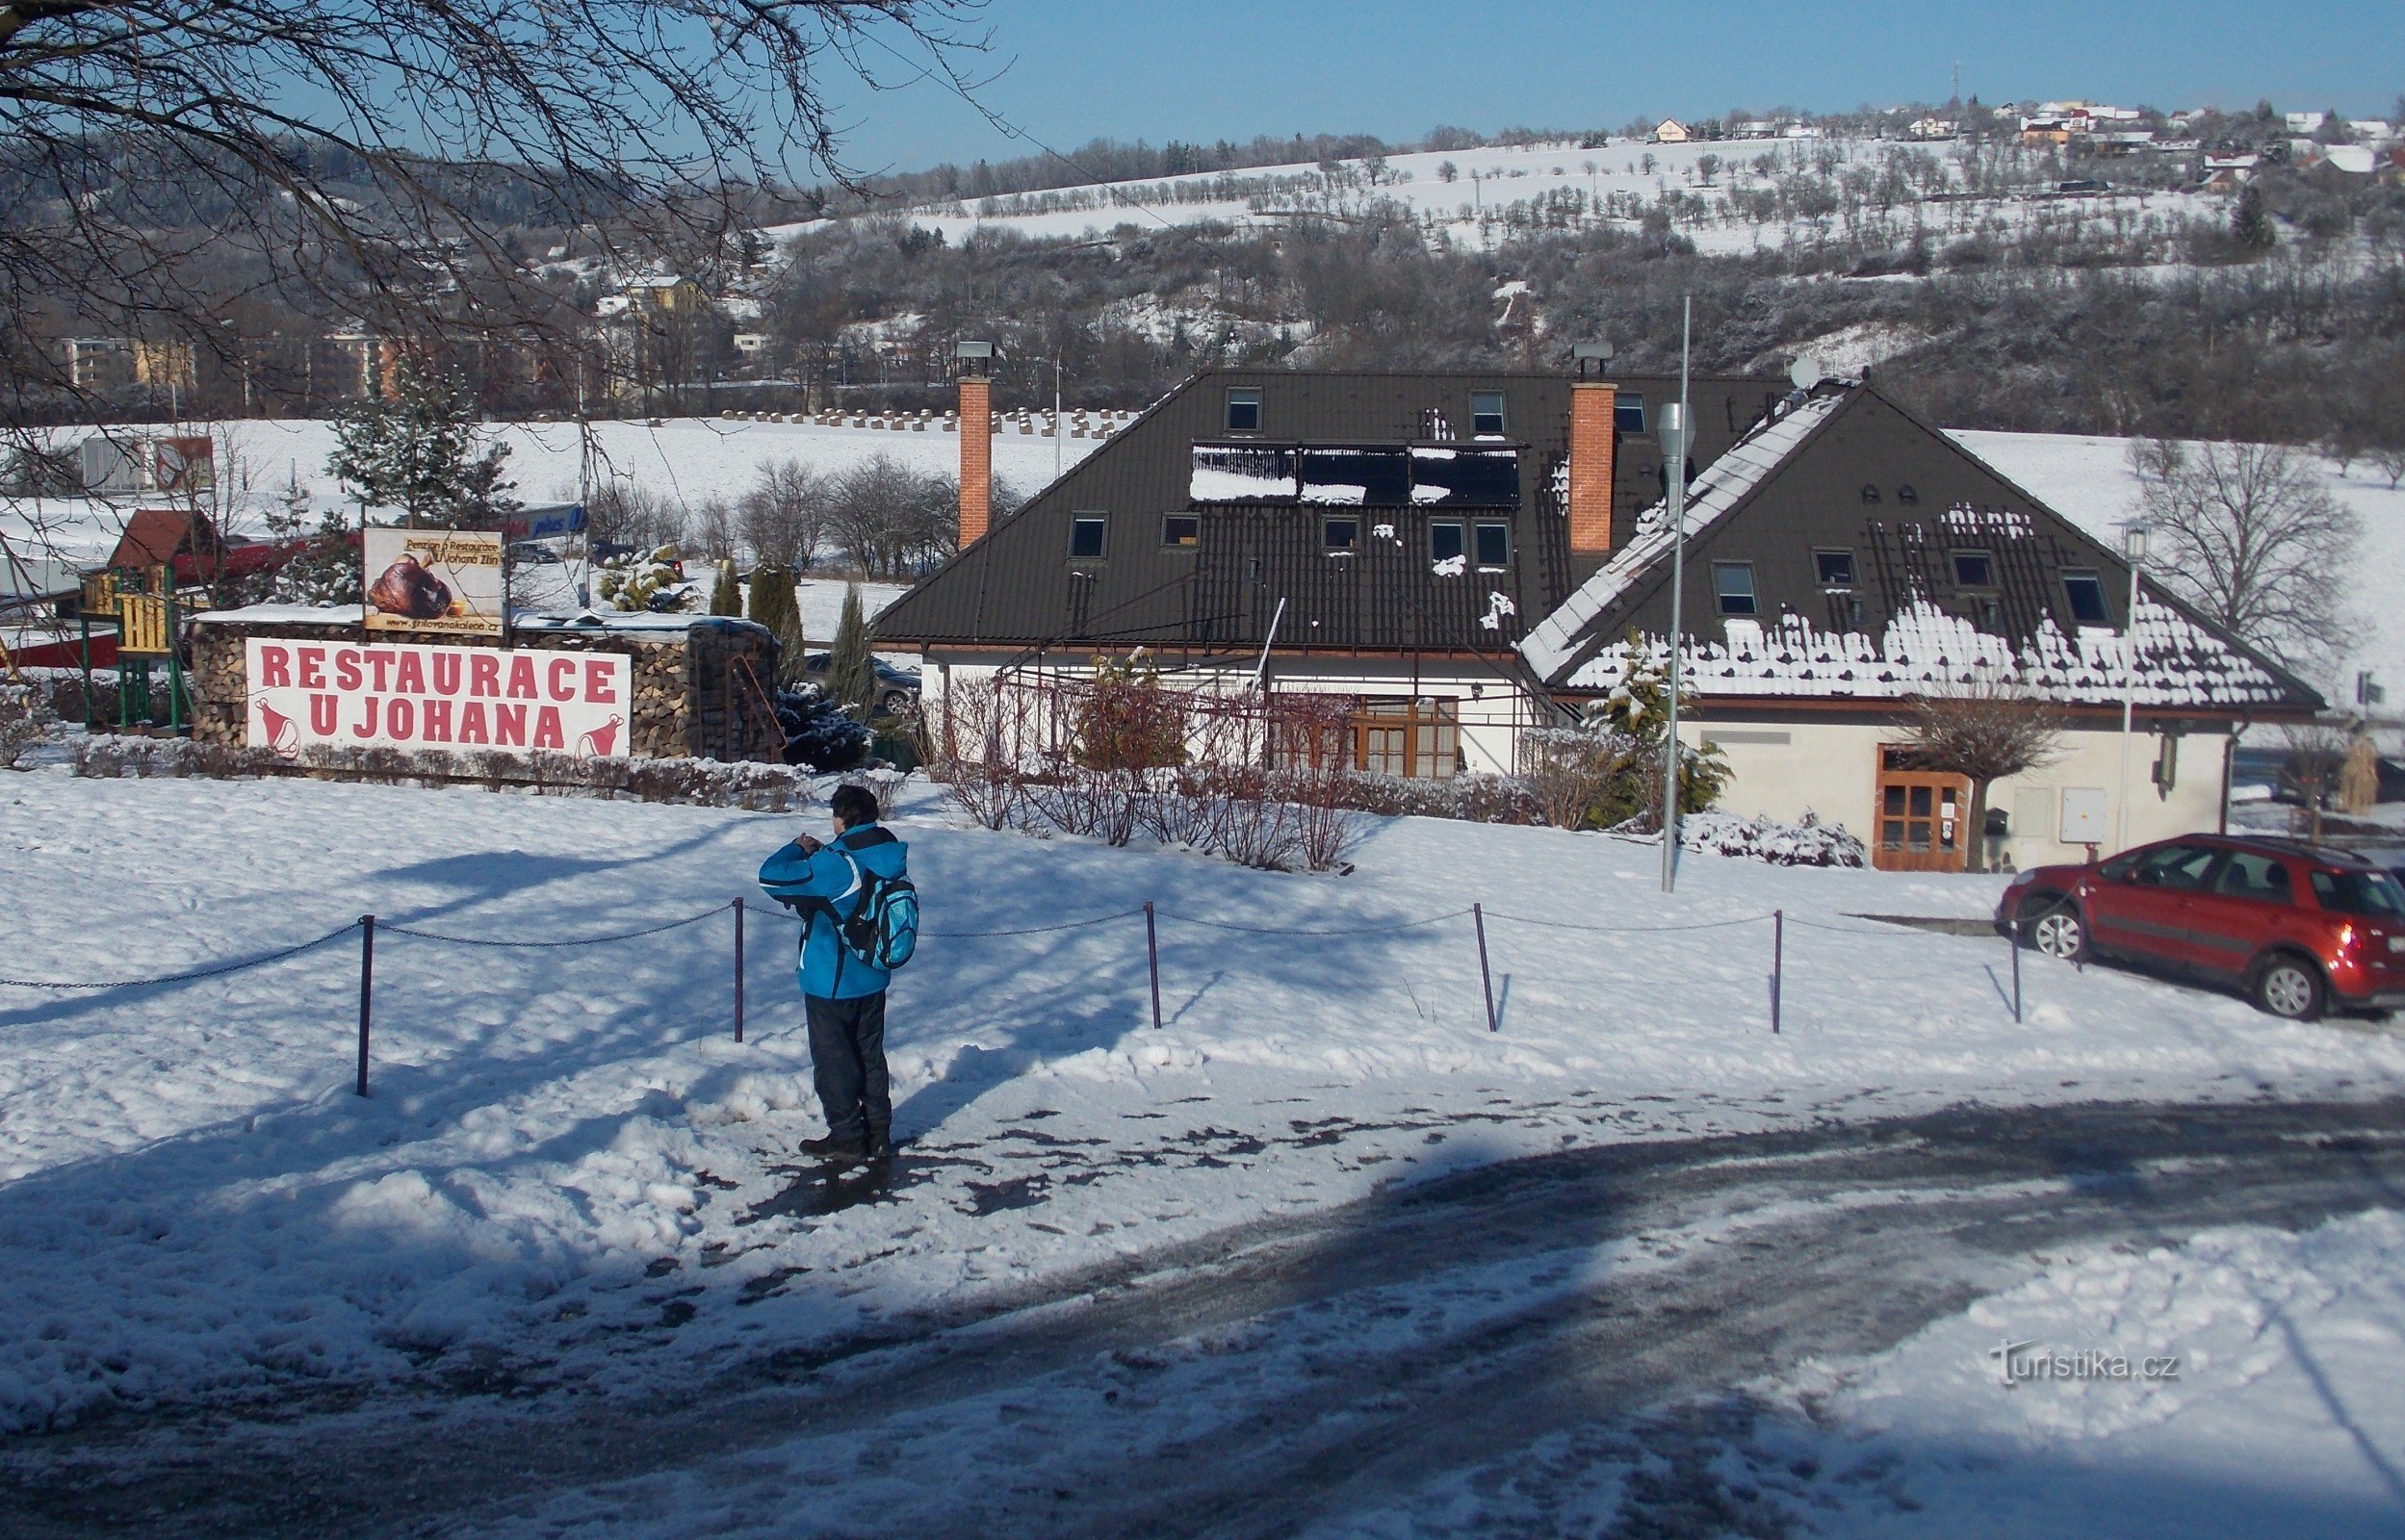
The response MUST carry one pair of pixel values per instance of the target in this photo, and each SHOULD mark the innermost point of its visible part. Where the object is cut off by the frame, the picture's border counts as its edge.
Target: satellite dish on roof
(1805, 372)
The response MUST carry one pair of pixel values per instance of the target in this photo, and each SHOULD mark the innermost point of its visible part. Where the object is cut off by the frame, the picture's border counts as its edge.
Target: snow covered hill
(1467, 194)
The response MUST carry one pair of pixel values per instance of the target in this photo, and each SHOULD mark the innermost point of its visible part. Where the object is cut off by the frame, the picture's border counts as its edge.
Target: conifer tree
(851, 674)
(773, 606)
(2250, 224)
(416, 452)
(726, 594)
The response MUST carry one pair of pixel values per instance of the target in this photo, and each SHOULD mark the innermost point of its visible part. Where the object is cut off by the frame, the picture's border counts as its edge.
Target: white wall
(1784, 769)
(1490, 709)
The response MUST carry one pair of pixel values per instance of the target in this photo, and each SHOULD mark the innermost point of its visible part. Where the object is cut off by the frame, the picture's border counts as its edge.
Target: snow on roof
(1714, 493)
(2180, 663)
(626, 622)
(612, 621)
(281, 615)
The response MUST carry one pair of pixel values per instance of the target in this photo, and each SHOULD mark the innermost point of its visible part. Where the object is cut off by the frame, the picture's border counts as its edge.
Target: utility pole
(1674, 444)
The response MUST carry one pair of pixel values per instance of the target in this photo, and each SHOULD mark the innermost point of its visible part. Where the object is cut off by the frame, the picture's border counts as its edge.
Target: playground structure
(142, 606)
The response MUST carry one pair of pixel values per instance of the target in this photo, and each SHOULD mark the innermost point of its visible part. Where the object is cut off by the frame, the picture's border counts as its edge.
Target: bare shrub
(25, 719)
(1985, 731)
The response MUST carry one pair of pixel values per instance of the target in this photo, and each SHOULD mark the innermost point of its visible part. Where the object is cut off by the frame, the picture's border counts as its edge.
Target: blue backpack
(882, 930)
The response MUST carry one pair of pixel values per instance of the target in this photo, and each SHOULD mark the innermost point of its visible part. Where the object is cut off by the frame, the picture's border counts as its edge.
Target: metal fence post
(366, 992)
(1485, 978)
(738, 971)
(2014, 938)
(1778, 961)
(1152, 960)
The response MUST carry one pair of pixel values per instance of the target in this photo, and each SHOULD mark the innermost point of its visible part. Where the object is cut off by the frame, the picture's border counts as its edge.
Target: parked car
(896, 687)
(2300, 928)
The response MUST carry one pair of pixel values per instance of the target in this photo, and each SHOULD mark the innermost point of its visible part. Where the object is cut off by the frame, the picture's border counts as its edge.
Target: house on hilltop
(1389, 537)
(1843, 557)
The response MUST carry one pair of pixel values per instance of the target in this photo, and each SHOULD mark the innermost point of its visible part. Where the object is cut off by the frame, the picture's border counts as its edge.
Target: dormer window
(1907, 493)
(1869, 493)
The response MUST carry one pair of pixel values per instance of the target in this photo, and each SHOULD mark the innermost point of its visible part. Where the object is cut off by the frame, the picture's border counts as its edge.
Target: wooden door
(1920, 824)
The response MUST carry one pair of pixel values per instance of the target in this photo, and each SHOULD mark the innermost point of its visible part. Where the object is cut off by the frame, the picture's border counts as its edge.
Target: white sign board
(443, 581)
(2084, 816)
(406, 695)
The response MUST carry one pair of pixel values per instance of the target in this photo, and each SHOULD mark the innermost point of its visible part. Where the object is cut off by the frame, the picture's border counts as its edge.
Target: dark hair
(854, 805)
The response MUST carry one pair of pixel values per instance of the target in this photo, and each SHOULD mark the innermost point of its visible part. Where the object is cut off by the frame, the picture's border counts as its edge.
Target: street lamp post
(1675, 443)
(2133, 545)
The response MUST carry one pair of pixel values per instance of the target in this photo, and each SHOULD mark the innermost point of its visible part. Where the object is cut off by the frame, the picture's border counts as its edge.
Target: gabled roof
(1721, 488)
(1261, 504)
(154, 536)
(1854, 475)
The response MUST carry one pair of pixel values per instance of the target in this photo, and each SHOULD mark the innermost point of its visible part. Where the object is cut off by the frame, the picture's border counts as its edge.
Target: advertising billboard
(407, 695)
(445, 582)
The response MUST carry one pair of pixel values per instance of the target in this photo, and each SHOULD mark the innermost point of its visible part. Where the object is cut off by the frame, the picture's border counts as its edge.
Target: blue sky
(1072, 70)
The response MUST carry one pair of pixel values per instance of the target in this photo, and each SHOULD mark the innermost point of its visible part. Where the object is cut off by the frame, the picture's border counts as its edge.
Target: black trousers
(848, 1064)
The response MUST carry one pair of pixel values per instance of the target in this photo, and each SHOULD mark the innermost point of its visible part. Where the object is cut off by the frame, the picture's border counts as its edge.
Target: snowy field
(686, 460)
(570, 1167)
(1492, 182)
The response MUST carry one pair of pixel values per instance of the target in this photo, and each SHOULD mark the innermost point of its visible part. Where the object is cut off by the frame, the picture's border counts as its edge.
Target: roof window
(1085, 536)
(1974, 569)
(1486, 413)
(1244, 410)
(1732, 583)
(2086, 593)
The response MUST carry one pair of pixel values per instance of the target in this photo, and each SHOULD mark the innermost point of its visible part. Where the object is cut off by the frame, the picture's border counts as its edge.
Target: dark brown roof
(1019, 589)
(1854, 473)
(154, 536)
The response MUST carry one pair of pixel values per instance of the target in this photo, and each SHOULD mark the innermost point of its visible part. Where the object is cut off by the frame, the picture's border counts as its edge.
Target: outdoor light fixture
(2133, 545)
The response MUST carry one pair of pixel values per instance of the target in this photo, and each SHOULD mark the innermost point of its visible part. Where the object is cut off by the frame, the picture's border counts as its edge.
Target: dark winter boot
(880, 1144)
(836, 1147)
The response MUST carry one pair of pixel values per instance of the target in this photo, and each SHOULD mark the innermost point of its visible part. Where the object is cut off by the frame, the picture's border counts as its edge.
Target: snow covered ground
(686, 460)
(571, 1168)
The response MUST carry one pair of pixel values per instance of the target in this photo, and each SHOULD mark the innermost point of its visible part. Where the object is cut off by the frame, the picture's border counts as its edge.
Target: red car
(2300, 928)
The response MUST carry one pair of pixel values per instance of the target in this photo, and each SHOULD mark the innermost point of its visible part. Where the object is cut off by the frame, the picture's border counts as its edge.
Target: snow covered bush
(709, 783)
(1607, 771)
(819, 734)
(25, 718)
(1472, 797)
(1809, 843)
(636, 584)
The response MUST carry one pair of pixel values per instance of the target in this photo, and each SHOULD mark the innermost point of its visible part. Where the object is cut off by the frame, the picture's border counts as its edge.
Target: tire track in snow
(1283, 1370)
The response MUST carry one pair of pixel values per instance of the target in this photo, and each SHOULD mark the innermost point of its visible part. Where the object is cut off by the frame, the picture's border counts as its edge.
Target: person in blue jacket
(843, 995)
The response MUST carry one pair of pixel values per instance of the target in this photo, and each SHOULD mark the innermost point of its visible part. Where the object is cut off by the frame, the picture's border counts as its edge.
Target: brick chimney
(977, 440)
(1592, 446)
